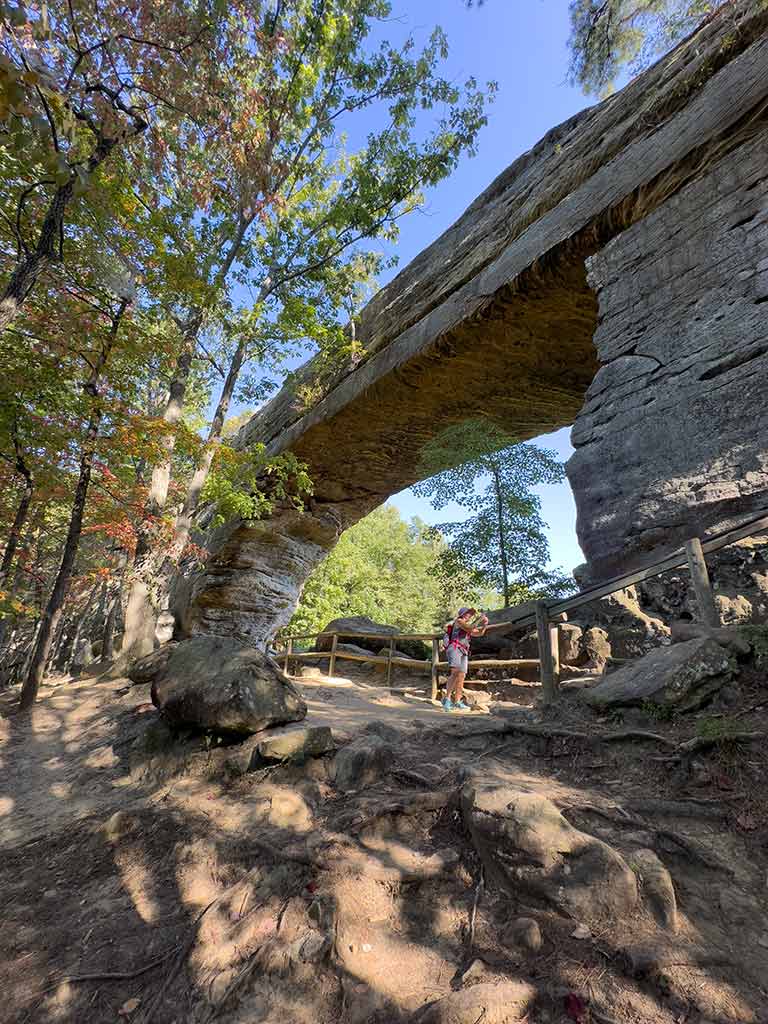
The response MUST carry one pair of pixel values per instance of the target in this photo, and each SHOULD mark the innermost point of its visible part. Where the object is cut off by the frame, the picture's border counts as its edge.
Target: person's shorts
(457, 660)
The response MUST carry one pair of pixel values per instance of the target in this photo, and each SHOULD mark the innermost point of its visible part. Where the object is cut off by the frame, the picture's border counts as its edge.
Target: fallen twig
(473, 917)
(109, 975)
(170, 977)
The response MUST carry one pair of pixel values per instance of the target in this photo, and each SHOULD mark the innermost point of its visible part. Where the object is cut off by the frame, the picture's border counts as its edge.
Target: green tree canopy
(503, 541)
(386, 569)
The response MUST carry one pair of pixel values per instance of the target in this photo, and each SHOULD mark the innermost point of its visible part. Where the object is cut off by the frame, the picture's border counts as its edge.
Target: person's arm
(480, 630)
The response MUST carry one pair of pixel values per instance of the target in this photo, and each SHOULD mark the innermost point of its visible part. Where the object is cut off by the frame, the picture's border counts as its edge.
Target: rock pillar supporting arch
(673, 439)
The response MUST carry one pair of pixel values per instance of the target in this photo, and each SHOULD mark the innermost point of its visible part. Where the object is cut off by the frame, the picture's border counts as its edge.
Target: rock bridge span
(613, 278)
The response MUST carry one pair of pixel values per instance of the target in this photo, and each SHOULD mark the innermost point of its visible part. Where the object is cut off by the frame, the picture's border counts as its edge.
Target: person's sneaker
(461, 706)
(448, 705)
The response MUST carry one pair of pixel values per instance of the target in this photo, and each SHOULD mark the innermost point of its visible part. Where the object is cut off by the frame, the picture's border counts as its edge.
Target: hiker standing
(458, 637)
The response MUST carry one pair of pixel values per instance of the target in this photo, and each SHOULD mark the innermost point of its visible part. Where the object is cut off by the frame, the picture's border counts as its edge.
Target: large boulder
(527, 846)
(683, 676)
(218, 683)
(351, 627)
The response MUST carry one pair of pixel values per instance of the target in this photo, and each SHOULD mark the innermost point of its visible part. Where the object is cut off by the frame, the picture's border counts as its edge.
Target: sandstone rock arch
(612, 278)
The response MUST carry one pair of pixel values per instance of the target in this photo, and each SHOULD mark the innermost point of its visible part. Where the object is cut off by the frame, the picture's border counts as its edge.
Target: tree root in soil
(681, 751)
(619, 816)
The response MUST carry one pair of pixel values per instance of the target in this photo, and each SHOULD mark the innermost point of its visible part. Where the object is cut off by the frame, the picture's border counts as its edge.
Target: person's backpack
(447, 636)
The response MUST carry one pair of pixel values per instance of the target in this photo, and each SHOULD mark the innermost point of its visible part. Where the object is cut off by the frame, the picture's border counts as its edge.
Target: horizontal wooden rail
(415, 663)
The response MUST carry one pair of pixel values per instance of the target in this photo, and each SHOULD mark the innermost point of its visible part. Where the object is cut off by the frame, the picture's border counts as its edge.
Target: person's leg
(454, 665)
(451, 684)
(459, 686)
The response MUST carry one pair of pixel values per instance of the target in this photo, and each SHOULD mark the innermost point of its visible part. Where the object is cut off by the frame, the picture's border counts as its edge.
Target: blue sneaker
(448, 705)
(461, 706)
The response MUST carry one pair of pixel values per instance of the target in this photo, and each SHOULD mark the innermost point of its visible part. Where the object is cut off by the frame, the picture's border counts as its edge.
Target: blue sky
(522, 44)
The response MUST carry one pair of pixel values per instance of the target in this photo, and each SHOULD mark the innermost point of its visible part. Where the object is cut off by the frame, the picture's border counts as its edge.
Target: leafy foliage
(245, 484)
(386, 569)
(504, 538)
(610, 35)
(192, 163)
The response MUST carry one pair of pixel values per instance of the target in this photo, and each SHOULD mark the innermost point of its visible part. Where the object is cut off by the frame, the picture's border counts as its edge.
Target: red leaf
(575, 1007)
(746, 822)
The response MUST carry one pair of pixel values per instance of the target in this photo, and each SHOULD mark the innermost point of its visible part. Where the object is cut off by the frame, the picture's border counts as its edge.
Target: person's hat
(465, 611)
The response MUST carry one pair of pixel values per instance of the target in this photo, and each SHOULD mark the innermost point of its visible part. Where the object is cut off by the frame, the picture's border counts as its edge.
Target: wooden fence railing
(546, 615)
(391, 660)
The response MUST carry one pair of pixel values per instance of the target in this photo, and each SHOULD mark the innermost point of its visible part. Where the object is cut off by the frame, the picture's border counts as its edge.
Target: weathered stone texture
(673, 439)
(252, 585)
(218, 683)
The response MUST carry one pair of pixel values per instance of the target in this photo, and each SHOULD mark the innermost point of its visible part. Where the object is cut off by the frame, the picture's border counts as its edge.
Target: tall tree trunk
(199, 477)
(18, 521)
(53, 608)
(502, 538)
(140, 612)
(14, 535)
(143, 605)
(36, 261)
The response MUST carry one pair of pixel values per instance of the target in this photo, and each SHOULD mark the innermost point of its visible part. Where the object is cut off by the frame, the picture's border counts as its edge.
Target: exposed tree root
(619, 816)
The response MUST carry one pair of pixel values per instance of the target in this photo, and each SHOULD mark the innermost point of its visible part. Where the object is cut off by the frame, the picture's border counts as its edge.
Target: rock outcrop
(681, 677)
(220, 684)
(352, 626)
(526, 845)
(671, 442)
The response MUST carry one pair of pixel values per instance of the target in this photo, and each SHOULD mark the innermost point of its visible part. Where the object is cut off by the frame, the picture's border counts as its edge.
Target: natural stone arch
(498, 317)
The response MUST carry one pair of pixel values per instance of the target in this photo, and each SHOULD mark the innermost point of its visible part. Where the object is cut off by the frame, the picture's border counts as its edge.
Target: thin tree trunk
(502, 538)
(139, 612)
(18, 521)
(199, 477)
(53, 608)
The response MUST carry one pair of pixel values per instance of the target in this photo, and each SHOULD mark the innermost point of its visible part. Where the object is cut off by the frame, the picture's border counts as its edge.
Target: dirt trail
(461, 880)
(64, 761)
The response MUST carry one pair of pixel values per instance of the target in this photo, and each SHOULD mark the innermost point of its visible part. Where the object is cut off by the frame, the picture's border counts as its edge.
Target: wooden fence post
(332, 662)
(435, 667)
(389, 659)
(554, 645)
(288, 653)
(701, 585)
(545, 651)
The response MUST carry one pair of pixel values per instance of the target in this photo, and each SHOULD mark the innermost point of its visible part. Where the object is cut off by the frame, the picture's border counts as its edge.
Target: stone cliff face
(640, 223)
(673, 439)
